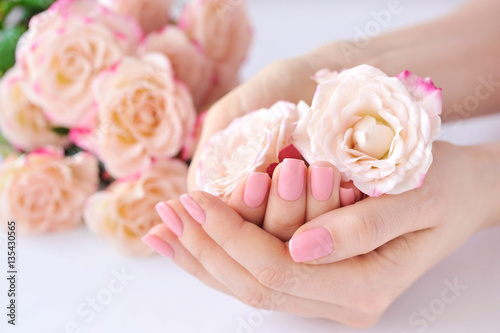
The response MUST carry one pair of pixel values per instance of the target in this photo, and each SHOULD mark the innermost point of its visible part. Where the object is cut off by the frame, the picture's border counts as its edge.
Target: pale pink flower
(142, 113)
(125, 212)
(151, 14)
(223, 30)
(63, 51)
(250, 143)
(44, 191)
(377, 130)
(188, 61)
(23, 123)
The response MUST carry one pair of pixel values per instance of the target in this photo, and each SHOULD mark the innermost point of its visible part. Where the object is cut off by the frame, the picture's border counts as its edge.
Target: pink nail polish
(321, 182)
(347, 196)
(256, 189)
(193, 209)
(170, 218)
(291, 179)
(310, 245)
(159, 245)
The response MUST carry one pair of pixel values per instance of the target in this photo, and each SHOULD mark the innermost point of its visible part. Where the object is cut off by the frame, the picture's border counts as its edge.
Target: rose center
(372, 137)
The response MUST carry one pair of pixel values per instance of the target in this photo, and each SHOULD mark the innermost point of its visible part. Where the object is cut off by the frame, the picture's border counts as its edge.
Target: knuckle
(255, 297)
(368, 229)
(272, 278)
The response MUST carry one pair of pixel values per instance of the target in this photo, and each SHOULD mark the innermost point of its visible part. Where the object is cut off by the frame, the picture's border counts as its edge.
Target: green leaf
(8, 42)
(61, 130)
(38, 4)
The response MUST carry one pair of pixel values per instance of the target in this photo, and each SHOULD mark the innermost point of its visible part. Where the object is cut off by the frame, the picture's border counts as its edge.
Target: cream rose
(223, 31)
(125, 212)
(44, 191)
(377, 130)
(63, 51)
(250, 143)
(187, 58)
(22, 123)
(143, 113)
(151, 14)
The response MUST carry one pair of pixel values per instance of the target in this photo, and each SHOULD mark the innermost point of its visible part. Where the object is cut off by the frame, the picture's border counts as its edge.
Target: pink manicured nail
(256, 189)
(170, 218)
(347, 196)
(193, 209)
(321, 182)
(291, 179)
(159, 245)
(311, 244)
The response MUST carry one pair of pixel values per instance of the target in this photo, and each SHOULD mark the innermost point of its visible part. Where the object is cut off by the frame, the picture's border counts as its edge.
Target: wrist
(485, 164)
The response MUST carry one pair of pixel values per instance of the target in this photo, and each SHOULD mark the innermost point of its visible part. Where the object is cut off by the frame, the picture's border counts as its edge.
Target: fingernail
(193, 209)
(291, 179)
(159, 245)
(170, 218)
(347, 196)
(256, 189)
(310, 245)
(321, 182)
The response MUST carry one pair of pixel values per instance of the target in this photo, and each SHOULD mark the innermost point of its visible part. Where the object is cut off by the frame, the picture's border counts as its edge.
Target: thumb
(356, 229)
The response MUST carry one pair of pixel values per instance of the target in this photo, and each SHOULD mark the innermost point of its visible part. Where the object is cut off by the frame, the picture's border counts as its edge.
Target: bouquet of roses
(109, 92)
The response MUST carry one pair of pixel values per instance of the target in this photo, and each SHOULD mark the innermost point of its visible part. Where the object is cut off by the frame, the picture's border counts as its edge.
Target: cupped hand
(370, 252)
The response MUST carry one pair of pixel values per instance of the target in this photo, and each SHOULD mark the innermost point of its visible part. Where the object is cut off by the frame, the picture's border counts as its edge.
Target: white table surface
(57, 273)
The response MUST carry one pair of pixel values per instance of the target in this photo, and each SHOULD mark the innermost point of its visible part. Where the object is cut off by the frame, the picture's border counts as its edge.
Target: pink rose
(223, 30)
(151, 14)
(125, 212)
(377, 130)
(188, 61)
(63, 51)
(44, 191)
(142, 113)
(22, 123)
(250, 143)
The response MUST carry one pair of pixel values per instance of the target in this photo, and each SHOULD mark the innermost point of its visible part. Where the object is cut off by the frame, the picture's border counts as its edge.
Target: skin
(381, 245)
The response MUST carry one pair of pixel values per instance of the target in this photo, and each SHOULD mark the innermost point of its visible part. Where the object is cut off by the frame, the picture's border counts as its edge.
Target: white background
(57, 273)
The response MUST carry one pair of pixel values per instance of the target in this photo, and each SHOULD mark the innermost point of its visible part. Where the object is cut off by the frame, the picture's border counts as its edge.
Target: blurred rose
(250, 143)
(188, 61)
(377, 130)
(22, 123)
(221, 27)
(65, 48)
(151, 14)
(223, 30)
(142, 114)
(125, 212)
(44, 191)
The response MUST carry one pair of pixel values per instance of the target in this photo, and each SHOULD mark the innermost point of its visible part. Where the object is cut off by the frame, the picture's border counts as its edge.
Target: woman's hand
(370, 252)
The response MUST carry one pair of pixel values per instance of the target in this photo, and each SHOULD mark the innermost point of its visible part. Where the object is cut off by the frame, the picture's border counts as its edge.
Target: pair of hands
(370, 252)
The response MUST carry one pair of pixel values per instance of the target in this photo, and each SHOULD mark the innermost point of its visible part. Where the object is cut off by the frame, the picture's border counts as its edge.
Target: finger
(286, 206)
(249, 198)
(268, 260)
(276, 82)
(349, 194)
(167, 244)
(357, 229)
(322, 189)
(236, 278)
